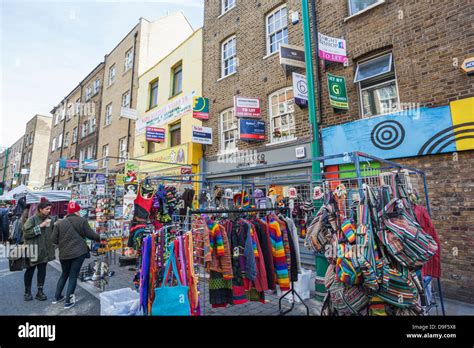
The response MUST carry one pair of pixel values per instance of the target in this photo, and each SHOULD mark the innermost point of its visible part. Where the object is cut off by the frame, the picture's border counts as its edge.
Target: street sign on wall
(202, 135)
(252, 130)
(156, 135)
(292, 56)
(201, 108)
(300, 88)
(247, 107)
(128, 113)
(332, 49)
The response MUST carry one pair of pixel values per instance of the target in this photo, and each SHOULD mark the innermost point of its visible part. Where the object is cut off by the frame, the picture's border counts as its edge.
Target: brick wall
(256, 76)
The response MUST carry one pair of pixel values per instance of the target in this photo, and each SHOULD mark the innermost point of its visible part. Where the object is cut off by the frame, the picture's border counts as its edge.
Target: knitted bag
(403, 237)
(398, 287)
(320, 230)
(347, 266)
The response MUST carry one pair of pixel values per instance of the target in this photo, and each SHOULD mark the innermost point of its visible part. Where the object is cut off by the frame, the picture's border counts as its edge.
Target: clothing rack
(292, 290)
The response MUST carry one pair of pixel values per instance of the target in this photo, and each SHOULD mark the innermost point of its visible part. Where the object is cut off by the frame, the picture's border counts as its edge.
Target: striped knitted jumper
(278, 251)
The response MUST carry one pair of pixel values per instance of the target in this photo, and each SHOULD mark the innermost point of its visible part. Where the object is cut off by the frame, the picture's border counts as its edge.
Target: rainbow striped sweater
(279, 257)
(215, 239)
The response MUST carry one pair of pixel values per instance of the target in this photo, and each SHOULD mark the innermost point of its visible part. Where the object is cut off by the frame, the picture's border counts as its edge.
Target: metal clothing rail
(292, 290)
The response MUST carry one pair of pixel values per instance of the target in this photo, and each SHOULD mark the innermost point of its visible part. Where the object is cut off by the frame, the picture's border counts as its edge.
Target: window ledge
(175, 95)
(222, 78)
(271, 55)
(365, 10)
(276, 143)
(224, 13)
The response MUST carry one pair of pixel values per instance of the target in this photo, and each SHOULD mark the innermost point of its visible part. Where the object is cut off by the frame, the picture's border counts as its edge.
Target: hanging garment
(266, 246)
(192, 279)
(144, 274)
(294, 234)
(293, 257)
(278, 252)
(143, 202)
(433, 266)
(153, 272)
(260, 283)
(220, 250)
(238, 266)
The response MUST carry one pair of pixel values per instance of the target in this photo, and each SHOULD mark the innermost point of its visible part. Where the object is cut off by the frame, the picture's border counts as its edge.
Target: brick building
(409, 101)
(13, 165)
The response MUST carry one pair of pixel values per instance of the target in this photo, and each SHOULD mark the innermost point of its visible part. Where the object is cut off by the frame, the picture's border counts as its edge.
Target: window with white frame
(66, 139)
(84, 129)
(96, 86)
(227, 5)
(92, 124)
(377, 82)
(128, 59)
(282, 118)
(122, 150)
(69, 112)
(356, 6)
(31, 138)
(105, 153)
(50, 172)
(60, 141)
(229, 133)
(56, 120)
(53, 145)
(111, 74)
(88, 93)
(78, 106)
(108, 114)
(277, 29)
(126, 99)
(74, 135)
(56, 169)
(90, 152)
(63, 113)
(229, 56)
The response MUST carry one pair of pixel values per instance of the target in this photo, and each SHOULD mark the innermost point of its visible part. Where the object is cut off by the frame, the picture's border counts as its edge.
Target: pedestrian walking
(37, 233)
(69, 235)
(4, 223)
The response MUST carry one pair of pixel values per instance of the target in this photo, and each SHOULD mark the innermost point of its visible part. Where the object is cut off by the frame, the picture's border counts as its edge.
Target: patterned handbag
(398, 287)
(347, 266)
(171, 301)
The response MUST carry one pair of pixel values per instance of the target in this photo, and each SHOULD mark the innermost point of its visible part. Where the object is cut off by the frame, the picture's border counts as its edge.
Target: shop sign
(101, 189)
(66, 164)
(292, 56)
(114, 243)
(300, 88)
(337, 92)
(332, 49)
(201, 108)
(90, 164)
(166, 114)
(129, 113)
(247, 107)
(252, 130)
(468, 66)
(202, 135)
(80, 177)
(186, 174)
(156, 135)
(100, 178)
(174, 155)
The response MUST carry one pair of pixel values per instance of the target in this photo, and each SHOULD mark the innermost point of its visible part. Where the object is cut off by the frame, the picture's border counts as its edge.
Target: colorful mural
(416, 132)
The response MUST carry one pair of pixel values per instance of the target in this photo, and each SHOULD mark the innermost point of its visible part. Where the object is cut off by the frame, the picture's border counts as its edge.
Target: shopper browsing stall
(69, 235)
(37, 232)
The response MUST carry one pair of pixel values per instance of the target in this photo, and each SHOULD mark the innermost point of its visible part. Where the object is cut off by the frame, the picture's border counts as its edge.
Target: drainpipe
(131, 88)
(5, 168)
(62, 143)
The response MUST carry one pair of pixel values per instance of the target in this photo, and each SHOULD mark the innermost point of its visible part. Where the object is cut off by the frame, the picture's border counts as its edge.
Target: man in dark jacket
(4, 224)
(69, 235)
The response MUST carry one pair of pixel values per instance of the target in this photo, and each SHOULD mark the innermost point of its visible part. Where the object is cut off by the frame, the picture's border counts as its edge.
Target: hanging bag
(171, 301)
(398, 287)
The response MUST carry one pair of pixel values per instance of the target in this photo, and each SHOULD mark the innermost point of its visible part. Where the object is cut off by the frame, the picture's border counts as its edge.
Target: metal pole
(315, 150)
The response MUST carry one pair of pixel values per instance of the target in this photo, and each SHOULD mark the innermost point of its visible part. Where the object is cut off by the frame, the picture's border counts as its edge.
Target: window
(82, 154)
(66, 139)
(53, 146)
(105, 153)
(88, 93)
(84, 129)
(177, 80)
(60, 141)
(153, 94)
(56, 169)
(90, 152)
(175, 134)
(108, 114)
(229, 131)
(31, 138)
(359, 5)
(112, 74)
(229, 57)
(63, 113)
(227, 5)
(96, 86)
(377, 86)
(78, 106)
(92, 124)
(74, 135)
(129, 59)
(56, 121)
(122, 150)
(26, 140)
(126, 99)
(282, 119)
(50, 172)
(277, 29)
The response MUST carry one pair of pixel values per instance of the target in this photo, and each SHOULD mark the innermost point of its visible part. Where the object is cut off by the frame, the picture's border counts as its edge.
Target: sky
(47, 47)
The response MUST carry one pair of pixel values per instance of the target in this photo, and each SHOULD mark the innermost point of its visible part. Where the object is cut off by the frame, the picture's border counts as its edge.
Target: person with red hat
(69, 235)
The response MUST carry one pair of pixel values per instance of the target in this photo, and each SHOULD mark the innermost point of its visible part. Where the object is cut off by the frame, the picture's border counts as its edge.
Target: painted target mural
(419, 132)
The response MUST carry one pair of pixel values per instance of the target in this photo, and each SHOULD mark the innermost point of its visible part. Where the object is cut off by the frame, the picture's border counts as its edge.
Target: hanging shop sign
(201, 108)
(90, 164)
(129, 113)
(100, 178)
(80, 177)
(186, 174)
(166, 114)
(332, 49)
(252, 130)
(300, 88)
(468, 66)
(68, 163)
(202, 135)
(155, 135)
(337, 92)
(247, 107)
(292, 56)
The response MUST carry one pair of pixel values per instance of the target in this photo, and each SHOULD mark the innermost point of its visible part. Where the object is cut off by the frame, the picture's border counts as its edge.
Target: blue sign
(409, 133)
(156, 135)
(252, 130)
(100, 178)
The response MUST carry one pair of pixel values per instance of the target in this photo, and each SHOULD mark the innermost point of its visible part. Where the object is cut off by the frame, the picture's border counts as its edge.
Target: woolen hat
(73, 207)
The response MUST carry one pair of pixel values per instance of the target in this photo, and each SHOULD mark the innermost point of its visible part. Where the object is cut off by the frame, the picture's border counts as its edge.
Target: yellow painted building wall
(190, 54)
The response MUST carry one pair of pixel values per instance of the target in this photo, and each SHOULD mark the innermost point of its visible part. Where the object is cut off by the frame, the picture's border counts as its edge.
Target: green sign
(337, 92)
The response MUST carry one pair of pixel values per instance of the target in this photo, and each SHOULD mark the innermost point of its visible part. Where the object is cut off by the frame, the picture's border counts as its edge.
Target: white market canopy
(16, 193)
(51, 195)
